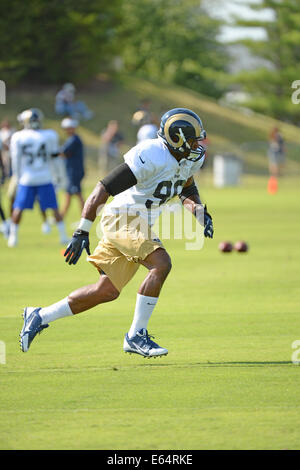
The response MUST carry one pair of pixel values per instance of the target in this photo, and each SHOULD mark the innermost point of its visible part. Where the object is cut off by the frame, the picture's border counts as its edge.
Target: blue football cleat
(142, 344)
(31, 327)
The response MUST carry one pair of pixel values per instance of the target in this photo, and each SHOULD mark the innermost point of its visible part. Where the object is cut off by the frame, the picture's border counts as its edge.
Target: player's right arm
(117, 181)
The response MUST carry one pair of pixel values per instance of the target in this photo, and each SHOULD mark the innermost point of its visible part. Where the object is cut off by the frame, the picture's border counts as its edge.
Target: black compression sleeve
(119, 179)
(189, 191)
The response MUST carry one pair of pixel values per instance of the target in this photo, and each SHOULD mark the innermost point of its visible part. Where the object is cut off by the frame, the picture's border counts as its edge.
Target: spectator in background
(6, 131)
(73, 153)
(5, 224)
(66, 104)
(149, 129)
(142, 114)
(6, 134)
(110, 141)
(140, 117)
(145, 105)
(276, 153)
(147, 124)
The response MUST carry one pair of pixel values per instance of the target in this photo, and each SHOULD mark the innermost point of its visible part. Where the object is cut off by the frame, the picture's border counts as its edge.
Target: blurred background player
(147, 124)
(145, 105)
(66, 104)
(148, 130)
(13, 183)
(6, 131)
(5, 224)
(73, 154)
(31, 151)
(110, 143)
(276, 153)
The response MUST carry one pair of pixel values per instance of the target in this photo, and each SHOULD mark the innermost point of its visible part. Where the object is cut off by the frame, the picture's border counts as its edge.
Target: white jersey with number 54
(31, 151)
(159, 178)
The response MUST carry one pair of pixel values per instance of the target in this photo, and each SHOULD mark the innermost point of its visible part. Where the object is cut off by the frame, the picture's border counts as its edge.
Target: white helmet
(67, 122)
(31, 118)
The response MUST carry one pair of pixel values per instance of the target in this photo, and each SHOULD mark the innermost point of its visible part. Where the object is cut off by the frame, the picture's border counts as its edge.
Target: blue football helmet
(180, 128)
(31, 118)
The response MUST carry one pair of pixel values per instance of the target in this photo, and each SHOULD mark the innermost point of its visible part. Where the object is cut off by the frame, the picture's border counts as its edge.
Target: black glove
(80, 240)
(208, 224)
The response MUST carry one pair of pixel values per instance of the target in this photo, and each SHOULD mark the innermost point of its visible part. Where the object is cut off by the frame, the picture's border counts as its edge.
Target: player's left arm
(191, 201)
(117, 181)
(67, 150)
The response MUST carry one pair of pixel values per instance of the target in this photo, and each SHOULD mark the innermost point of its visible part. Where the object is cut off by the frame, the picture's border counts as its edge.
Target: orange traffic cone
(272, 185)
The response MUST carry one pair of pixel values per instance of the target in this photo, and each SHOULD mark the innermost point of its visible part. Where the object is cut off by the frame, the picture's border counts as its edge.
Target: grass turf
(228, 320)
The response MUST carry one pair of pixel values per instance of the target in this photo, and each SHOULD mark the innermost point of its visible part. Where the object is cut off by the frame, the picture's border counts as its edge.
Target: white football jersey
(159, 177)
(148, 131)
(31, 151)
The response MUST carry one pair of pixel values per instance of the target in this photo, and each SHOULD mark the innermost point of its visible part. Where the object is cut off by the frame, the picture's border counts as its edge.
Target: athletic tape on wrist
(85, 224)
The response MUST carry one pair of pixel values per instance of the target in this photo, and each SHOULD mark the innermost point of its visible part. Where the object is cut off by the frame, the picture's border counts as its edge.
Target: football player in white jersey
(153, 172)
(147, 123)
(147, 131)
(31, 151)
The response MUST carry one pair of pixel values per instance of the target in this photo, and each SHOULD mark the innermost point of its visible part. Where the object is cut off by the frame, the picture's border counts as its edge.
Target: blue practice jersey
(73, 150)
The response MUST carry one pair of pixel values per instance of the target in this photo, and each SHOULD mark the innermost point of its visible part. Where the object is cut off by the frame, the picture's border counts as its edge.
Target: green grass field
(228, 320)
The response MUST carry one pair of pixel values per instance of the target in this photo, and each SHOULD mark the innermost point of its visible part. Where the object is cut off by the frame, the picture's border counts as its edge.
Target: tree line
(173, 41)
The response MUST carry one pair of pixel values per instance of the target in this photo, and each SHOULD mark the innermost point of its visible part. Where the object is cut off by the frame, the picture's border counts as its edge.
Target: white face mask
(195, 154)
(198, 154)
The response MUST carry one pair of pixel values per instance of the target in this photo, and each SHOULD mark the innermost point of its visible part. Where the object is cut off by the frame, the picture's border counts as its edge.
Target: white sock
(13, 235)
(14, 228)
(62, 230)
(6, 228)
(53, 312)
(143, 310)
